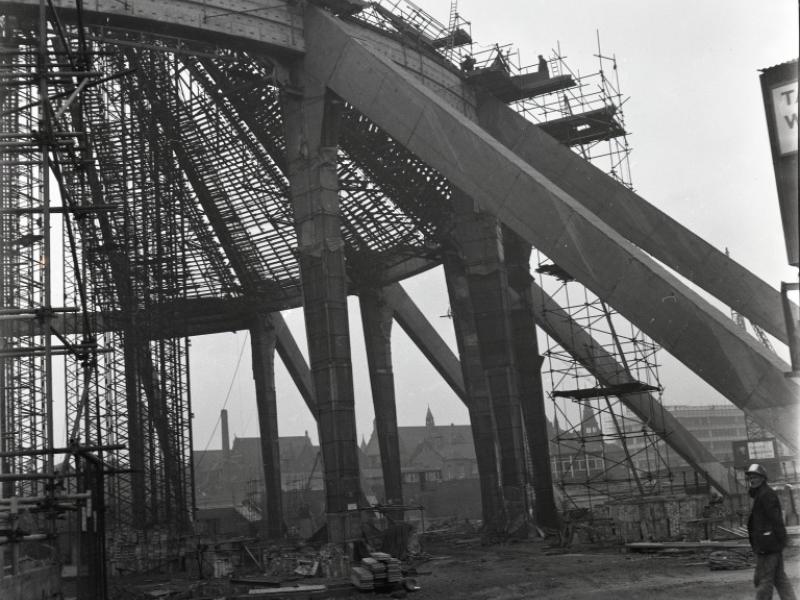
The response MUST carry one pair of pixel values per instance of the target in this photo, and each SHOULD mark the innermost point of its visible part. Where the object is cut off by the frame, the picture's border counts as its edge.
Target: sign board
(779, 90)
(763, 451)
(784, 105)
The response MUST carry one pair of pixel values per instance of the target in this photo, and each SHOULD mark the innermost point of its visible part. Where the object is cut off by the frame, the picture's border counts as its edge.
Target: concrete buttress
(529, 376)
(678, 318)
(311, 118)
(477, 246)
(481, 416)
(376, 317)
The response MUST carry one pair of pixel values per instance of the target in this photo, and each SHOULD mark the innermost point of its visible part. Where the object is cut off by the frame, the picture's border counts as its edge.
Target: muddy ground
(532, 570)
(454, 567)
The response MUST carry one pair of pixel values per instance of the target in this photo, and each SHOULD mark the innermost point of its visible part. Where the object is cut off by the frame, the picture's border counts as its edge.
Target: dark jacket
(765, 525)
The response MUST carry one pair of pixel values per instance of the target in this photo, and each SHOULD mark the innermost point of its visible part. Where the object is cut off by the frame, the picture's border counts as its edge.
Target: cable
(227, 397)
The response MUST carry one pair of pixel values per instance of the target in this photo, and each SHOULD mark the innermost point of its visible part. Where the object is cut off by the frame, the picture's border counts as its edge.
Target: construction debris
(722, 560)
(376, 571)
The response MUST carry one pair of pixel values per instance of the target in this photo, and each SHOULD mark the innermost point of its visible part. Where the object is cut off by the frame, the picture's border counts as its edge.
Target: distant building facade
(433, 457)
(236, 475)
(428, 454)
(721, 428)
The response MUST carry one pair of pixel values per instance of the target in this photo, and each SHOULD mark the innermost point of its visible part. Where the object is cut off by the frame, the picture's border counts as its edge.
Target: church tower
(429, 424)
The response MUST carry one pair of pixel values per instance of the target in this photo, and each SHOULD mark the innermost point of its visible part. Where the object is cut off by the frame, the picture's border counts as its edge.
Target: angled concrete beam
(625, 211)
(543, 214)
(426, 338)
(294, 361)
(634, 218)
(376, 319)
(262, 341)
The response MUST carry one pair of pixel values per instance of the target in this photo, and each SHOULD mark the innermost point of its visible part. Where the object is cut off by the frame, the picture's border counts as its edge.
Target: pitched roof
(297, 454)
(411, 437)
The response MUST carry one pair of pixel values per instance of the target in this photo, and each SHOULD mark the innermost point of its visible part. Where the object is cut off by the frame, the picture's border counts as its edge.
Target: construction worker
(543, 67)
(468, 64)
(767, 535)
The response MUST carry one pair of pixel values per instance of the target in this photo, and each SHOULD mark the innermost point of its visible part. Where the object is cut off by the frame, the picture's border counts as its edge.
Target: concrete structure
(263, 158)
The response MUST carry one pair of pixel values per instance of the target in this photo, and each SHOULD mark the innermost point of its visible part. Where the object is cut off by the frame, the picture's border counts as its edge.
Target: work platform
(586, 127)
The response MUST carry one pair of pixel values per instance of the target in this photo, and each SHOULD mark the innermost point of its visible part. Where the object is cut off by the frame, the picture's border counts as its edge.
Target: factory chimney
(226, 444)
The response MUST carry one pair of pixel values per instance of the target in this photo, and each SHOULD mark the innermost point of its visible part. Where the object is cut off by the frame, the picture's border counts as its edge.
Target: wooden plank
(641, 546)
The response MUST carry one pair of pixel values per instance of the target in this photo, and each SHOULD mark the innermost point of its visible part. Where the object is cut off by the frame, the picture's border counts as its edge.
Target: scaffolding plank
(590, 126)
(628, 387)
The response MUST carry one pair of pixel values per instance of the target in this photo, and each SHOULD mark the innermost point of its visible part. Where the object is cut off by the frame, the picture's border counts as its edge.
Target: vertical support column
(262, 343)
(376, 318)
(479, 241)
(135, 431)
(311, 122)
(529, 377)
(481, 416)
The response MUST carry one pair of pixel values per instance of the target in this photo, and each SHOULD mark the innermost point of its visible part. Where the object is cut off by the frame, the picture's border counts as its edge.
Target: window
(761, 449)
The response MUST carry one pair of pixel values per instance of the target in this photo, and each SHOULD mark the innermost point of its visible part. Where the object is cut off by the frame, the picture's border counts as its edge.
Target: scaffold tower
(600, 449)
(126, 393)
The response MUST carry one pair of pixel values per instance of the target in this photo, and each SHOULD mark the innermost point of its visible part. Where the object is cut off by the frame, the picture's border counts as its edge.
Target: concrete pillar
(481, 416)
(529, 377)
(376, 318)
(262, 342)
(311, 119)
(478, 240)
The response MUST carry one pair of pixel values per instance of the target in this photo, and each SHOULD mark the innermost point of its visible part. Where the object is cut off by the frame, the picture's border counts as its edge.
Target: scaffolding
(587, 116)
(66, 110)
(40, 78)
(600, 450)
(26, 355)
(755, 431)
(452, 41)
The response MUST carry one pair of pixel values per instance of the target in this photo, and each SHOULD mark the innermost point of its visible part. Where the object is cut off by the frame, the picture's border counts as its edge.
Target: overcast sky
(700, 153)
